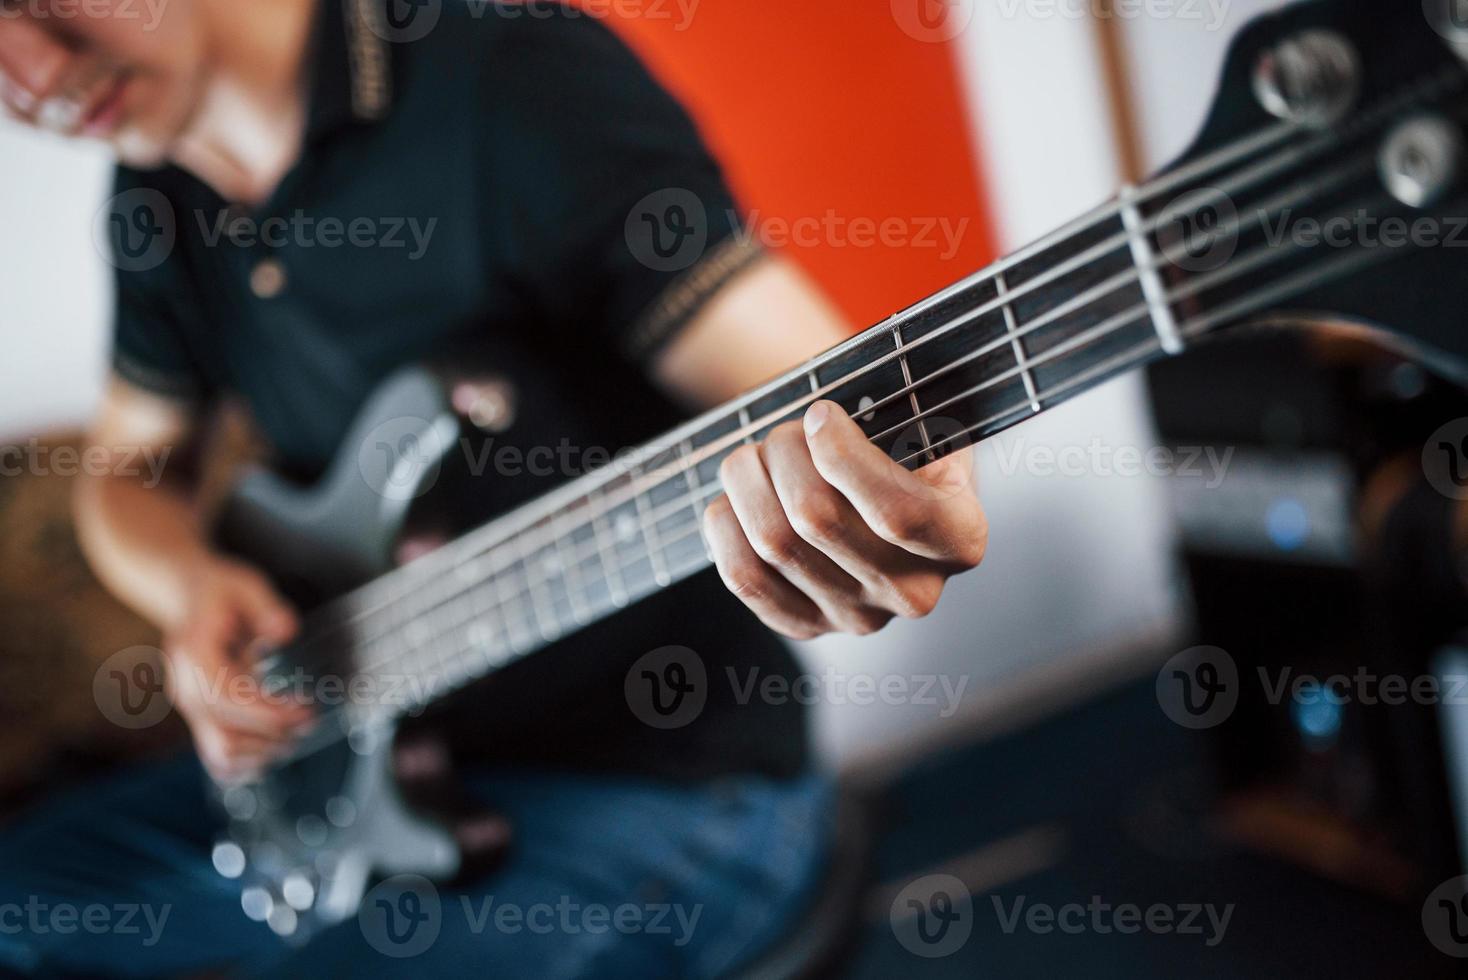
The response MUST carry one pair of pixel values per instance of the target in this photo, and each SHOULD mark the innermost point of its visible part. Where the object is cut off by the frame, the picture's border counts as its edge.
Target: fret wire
(615, 585)
(744, 410)
(1011, 326)
(544, 612)
(690, 473)
(649, 537)
(907, 383)
(500, 579)
(431, 661)
(489, 617)
(571, 577)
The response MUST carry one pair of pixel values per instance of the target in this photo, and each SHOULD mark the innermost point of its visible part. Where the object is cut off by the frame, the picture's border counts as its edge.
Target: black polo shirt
(508, 181)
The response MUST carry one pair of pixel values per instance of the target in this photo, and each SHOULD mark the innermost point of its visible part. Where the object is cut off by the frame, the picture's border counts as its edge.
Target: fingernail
(816, 417)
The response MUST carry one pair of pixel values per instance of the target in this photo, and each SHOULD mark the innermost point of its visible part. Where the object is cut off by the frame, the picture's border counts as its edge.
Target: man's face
(129, 72)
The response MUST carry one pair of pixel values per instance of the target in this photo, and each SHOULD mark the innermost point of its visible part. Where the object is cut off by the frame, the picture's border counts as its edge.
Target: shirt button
(268, 279)
(489, 403)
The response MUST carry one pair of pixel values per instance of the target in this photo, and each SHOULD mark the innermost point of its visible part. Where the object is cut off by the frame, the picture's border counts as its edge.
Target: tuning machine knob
(1450, 19)
(1311, 78)
(1421, 159)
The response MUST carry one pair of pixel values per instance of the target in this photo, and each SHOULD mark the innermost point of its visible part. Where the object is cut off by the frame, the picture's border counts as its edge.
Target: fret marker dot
(626, 527)
(864, 407)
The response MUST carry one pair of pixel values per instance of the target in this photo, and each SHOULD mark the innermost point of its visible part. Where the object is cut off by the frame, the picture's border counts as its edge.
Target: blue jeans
(609, 878)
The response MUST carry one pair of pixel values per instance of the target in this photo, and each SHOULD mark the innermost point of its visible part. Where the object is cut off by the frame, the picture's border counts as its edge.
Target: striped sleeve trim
(688, 294)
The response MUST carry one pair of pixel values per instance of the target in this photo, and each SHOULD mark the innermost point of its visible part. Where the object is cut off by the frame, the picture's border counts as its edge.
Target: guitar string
(1192, 326)
(580, 558)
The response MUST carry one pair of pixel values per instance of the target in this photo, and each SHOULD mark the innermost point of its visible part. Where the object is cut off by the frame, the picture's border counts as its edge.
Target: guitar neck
(1134, 280)
(1008, 343)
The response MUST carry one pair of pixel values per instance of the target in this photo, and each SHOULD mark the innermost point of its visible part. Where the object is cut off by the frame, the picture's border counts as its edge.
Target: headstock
(1342, 194)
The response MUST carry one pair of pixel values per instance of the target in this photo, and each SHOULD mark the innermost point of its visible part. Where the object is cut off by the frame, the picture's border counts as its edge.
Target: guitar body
(315, 831)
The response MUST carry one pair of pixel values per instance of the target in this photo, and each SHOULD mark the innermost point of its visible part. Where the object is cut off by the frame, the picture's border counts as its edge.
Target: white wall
(1175, 64)
(53, 289)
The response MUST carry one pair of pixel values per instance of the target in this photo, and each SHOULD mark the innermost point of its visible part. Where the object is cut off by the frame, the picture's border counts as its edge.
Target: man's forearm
(769, 319)
(144, 543)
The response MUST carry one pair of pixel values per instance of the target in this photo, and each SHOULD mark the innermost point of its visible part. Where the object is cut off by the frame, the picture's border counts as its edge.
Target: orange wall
(821, 105)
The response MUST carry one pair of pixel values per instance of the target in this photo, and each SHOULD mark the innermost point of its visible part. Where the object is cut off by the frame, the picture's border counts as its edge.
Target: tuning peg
(1420, 160)
(1450, 19)
(1311, 78)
